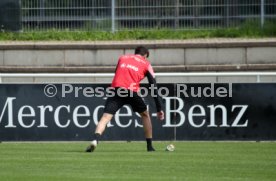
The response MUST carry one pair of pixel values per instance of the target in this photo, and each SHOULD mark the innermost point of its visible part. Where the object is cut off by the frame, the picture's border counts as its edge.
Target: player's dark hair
(141, 50)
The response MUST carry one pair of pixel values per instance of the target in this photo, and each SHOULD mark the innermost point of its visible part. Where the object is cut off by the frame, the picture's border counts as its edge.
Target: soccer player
(130, 70)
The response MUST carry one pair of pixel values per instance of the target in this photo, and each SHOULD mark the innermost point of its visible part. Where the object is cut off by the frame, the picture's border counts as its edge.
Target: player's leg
(105, 119)
(146, 124)
(112, 105)
(138, 105)
(147, 129)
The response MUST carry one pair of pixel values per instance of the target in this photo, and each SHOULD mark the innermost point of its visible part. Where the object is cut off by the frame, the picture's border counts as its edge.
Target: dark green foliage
(248, 30)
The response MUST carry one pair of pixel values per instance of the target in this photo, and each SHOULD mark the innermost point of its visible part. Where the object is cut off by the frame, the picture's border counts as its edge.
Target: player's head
(142, 51)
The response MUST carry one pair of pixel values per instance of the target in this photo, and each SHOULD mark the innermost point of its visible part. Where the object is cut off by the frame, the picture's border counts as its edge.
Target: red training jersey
(131, 69)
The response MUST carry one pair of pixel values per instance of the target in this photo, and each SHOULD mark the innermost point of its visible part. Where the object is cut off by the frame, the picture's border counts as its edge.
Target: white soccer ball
(170, 147)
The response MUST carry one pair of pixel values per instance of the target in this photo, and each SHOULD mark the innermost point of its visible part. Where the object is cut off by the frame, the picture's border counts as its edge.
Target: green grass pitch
(67, 161)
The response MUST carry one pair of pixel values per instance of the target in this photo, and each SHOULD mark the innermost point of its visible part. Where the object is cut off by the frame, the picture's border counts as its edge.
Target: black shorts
(113, 104)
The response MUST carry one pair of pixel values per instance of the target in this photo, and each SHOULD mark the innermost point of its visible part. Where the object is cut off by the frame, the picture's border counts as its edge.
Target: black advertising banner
(55, 112)
(239, 112)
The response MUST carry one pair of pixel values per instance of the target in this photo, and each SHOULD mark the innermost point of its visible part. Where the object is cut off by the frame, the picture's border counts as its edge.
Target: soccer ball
(170, 147)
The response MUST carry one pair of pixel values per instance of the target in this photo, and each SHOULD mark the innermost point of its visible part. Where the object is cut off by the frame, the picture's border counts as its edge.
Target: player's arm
(152, 81)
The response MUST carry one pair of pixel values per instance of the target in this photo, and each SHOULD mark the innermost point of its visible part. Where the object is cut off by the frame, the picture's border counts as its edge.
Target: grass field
(129, 161)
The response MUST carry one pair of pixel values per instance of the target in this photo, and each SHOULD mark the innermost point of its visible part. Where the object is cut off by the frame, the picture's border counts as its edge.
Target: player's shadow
(76, 151)
(104, 151)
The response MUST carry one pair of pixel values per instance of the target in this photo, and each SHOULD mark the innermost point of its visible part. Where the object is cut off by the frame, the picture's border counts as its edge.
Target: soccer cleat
(92, 146)
(150, 149)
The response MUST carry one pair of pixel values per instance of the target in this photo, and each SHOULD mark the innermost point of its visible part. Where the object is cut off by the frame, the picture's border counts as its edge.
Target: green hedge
(248, 30)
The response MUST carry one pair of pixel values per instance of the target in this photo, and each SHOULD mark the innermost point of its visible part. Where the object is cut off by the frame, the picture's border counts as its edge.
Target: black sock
(96, 137)
(149, 144)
